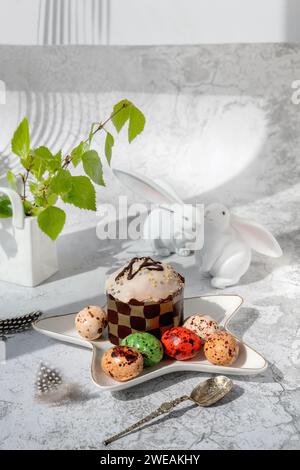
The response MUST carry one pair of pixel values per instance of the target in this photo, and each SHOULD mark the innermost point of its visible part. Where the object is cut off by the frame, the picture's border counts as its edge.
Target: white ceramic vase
(27, 255)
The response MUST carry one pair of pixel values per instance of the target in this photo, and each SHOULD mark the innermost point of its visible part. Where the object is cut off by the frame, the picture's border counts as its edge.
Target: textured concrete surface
(260, 180)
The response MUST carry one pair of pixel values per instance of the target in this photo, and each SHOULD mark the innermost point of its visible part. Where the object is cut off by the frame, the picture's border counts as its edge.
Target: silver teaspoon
(205, 394)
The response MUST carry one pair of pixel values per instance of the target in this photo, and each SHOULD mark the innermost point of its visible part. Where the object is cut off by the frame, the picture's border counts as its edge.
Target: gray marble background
(220, 126)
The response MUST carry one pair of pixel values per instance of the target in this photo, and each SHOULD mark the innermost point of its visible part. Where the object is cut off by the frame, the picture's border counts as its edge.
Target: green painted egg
(149, 346)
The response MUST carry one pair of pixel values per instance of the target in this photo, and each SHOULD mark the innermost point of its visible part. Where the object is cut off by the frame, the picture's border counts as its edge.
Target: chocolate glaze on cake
(147, 262)
(144, 280)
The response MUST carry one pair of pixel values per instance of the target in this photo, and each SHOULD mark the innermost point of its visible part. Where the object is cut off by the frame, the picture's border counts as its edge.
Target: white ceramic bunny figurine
(171, 226)
(228, 241)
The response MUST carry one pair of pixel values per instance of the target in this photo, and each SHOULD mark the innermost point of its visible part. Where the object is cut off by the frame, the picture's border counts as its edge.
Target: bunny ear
(168, 191)
(256, 236)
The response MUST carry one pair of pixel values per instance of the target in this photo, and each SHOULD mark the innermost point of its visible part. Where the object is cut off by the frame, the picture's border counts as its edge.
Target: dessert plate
(220, 307)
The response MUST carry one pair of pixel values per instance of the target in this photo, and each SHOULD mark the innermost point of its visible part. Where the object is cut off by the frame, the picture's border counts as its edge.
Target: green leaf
(34, 187)
(35, 211)
(52, 199)
(93, 167)
(20, 143)
(82, 193)
(54, 163)
(39, 161)
(91, 133)
(12, 180)
(122, 109)
(136, 123)
(109, 143)
(51, 221)
(27, 207)
(61, 183)
(42, 153)
(78, 151)
(5, 207)
(40, 201)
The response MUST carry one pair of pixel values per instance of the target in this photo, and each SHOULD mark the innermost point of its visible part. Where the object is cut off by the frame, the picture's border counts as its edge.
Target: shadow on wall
(269, 173)
(182, 143)
(76, 22)
(59, 120)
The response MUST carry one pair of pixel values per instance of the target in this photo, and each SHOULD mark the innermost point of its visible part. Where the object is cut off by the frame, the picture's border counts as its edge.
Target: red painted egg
(181, 343)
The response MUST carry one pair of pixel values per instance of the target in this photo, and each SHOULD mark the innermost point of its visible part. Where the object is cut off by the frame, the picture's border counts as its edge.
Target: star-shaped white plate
(220, 307)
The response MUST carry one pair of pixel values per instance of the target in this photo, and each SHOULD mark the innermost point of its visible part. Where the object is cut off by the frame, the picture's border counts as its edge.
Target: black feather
(14, 325)
(47, 380)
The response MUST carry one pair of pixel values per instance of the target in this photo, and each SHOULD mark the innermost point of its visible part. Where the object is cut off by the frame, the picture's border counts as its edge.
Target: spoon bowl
(211, 390)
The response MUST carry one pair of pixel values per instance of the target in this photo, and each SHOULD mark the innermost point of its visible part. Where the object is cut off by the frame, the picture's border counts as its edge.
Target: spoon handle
(164, 408)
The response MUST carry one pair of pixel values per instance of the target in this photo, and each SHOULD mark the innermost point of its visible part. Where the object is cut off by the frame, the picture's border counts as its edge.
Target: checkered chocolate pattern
(155, 318)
